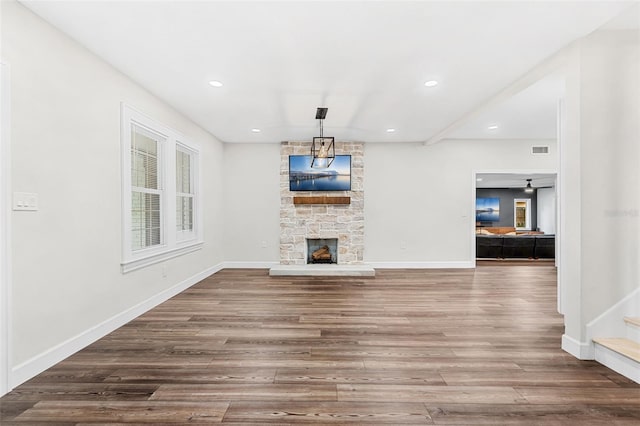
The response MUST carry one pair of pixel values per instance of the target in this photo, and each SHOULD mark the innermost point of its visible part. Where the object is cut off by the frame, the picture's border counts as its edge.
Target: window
(185, 192)
(161, 220)
(146, 192)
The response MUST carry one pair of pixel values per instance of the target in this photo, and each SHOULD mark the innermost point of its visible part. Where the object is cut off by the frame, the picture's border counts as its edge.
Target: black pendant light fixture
(528, 189)
(323, 150)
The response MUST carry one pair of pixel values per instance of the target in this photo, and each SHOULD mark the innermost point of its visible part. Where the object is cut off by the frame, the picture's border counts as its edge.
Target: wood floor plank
(580, 395)
(412, 346)
(284, 412)
(285, 362)
(430, 394)
(125, 412)
(38, 391)
(526, 378)
(509, 414)
(445, 364)
(191, 375)
(237, 392)
(346, 376)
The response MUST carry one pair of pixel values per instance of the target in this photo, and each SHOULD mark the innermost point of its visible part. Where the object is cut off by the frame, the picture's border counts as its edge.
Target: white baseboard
(422, 265)
(248, 265)
(381, 265)
(618, 363)
(580, 350)
(36, 365)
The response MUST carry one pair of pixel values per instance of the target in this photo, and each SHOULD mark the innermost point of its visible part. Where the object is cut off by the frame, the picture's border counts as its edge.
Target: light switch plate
(25, 201)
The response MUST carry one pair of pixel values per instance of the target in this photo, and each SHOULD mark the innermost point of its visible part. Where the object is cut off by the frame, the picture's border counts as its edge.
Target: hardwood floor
(408, 346)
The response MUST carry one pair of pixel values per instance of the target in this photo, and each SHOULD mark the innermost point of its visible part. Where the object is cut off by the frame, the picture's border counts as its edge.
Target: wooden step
(625, 347)
(632, 321)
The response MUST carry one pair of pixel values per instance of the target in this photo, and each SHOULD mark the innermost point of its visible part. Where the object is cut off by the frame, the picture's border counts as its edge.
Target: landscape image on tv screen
(336, 177)
(487, 209)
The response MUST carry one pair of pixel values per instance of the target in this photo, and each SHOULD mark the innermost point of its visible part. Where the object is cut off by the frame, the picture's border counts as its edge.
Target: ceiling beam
(537, 73)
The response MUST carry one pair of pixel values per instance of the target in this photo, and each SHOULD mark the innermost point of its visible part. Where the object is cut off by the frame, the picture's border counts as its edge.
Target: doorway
(513, 222)
(522, 214)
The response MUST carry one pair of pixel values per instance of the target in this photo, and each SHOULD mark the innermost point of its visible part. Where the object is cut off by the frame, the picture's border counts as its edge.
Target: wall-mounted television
(336, 177)
(487, 209)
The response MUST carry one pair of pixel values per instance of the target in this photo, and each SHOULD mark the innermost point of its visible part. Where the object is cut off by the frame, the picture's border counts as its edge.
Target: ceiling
(366, 61)
(515, 180)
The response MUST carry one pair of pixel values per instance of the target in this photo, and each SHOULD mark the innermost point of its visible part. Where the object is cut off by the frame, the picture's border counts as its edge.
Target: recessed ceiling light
(431, 83)
(215, 83)
(493, 127)
(391, 130)
(478, 179)
(256, 130)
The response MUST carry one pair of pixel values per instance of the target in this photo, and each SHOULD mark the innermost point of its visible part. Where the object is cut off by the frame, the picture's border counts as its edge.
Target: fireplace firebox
(322, 250)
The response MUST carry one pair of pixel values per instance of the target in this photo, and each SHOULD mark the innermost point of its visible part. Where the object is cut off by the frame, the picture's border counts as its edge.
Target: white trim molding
(36, 365)
(249, 265)
(580, 350)
(133, 265)
(463, 264)
(5, 228)
(617, 362)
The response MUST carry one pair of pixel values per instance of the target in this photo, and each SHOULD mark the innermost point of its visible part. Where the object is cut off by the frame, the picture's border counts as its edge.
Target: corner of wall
(36, 365)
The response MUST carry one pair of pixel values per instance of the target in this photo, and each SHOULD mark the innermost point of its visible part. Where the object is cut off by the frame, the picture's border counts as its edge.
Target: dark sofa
(515, 246)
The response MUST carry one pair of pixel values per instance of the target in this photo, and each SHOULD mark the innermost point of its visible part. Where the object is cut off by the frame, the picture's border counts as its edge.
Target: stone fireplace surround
(323, 221)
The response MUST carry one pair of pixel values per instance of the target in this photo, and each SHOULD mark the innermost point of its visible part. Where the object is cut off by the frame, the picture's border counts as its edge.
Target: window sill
(132, 265)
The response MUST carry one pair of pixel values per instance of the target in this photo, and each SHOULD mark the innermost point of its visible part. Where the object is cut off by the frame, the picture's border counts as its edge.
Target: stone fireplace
(343, 223)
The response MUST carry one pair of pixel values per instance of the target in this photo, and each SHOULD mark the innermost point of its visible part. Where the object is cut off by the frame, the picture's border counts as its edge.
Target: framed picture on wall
(487, 209)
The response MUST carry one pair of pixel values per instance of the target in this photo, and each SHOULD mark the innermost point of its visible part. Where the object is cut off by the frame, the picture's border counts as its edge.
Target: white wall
(419, 199)
(546, 214)
(600, 200)
(416, 197)
(66, 148)
(252, 204)
(610, 159)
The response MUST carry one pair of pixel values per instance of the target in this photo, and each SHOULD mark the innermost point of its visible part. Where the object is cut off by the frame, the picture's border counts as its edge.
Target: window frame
(184, 236)
(171, 244)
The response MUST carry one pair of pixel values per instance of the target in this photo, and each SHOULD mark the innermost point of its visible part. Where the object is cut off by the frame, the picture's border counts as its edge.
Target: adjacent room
(516, 216)
(319, 212)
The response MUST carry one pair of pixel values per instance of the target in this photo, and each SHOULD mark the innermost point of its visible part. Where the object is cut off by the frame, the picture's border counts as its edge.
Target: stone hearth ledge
(321, 270)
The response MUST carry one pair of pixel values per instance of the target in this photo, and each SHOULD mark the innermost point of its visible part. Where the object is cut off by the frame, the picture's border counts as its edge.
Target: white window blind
(146, 191)
(185, 192)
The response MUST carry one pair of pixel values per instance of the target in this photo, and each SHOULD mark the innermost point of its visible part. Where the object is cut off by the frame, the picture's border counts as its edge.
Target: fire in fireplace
(322, 250)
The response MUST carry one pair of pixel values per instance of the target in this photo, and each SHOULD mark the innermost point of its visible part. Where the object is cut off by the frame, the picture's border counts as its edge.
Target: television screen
(487, 209)
(336, 177)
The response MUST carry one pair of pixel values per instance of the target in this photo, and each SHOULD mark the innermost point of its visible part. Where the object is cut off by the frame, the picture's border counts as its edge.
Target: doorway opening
(514, 222)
